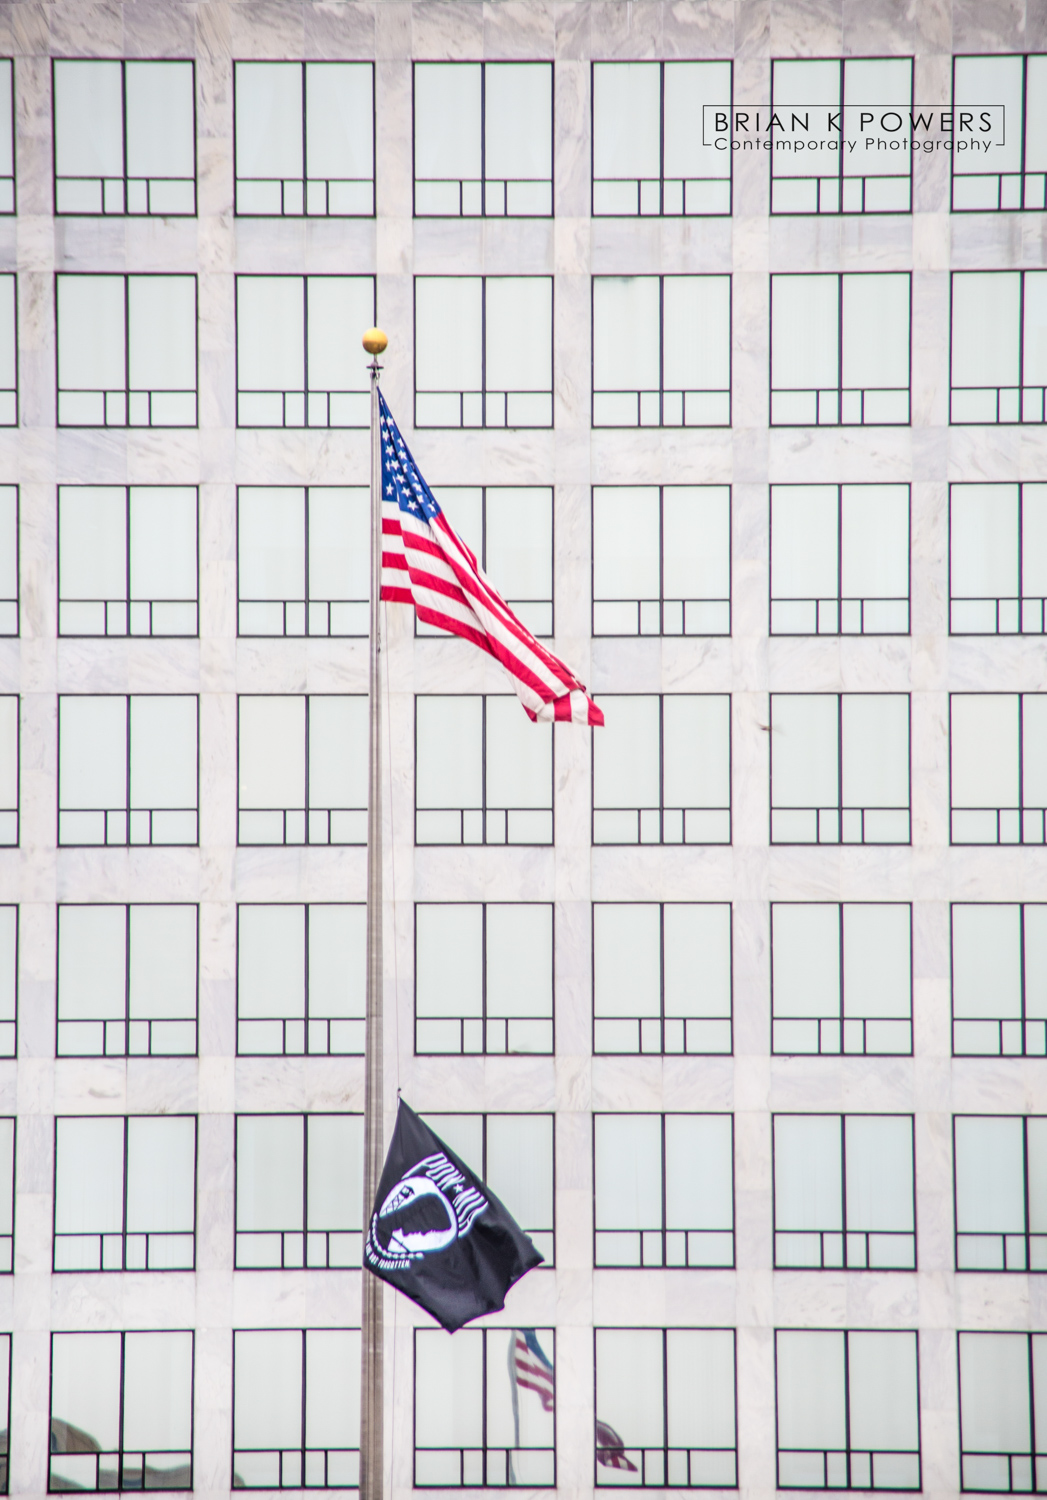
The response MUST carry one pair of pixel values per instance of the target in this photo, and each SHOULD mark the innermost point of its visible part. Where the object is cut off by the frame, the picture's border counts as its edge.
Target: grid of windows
(483, 774)
(296, 1408)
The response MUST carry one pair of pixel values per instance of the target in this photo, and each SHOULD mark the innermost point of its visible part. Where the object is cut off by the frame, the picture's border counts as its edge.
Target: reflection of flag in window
(530, 1369)
(610, 1450)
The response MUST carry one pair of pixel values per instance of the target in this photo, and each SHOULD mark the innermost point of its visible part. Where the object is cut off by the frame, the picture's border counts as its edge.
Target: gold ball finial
(375, 341)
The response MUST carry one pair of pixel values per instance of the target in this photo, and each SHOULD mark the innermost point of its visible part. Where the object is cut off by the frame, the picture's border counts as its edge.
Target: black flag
(438, 1233)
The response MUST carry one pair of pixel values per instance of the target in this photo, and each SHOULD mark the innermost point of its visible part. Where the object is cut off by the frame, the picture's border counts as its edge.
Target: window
(8, 983)
(997, 559)
(7, 163)
(839, 768)
(840, 349)
(296, 1408)
(8, 350)
(663, 1190)
(998, 780)
(299, 1191)
(296, 350)
(662, 559)
(1001, 1192)
(1018, 178)
(303, 555)
(7, 1229)
(841, 978)
(303, 769)
(9, 569)
(128, 769)
(476, 1422)
(844, 1192)
(662, 977)
(304, 138)
(471, 992)
(121, 1411)
(649, 151)
(848, 1409)
(125, 1193)
(823, 162)
(483, 351)
(999, 346)
(662, 770)
(127, 559)
(666, 1403)
(127, 981)
(5, 1407)
(510, 529)
(9, 704)
(514, 1156)
(1003, 1380)
(999, 980)
(300, 980)
(483, 139)
(125, 137)
(483, 772)
(682, 377)
(126, 350)
(839, 559)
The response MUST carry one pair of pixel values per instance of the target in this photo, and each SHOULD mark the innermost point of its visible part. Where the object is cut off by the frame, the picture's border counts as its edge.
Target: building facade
(740, 1002)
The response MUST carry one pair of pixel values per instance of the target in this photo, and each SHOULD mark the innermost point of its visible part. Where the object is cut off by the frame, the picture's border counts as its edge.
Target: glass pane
(626, 756)
(804, 332)
(875, 555)
(984, 743)
(447, 120)
(270, 333)
(983, 540)
(271, 961)
(337, 942)
(977, 81)
(339, 543)
(272, 752)
(696, 544)
(448, 1388)
(1035, 961)
(699, 1172)
(876, 330)
(268, 119)
(627, 953)
(271, 554)
(8, 961)
(449, 960)
(89, 124)
(990, 1175)
(696, 333)
(877, 960)
(267, 1389)
(986, 961)
(874, 82)
(335, 1171)
(519, 333)
(339, 120)
(697, 750)
(337, 750)
(8, 530)
(810, 1377)
(448, 330)
(158, 1392)
(700, 1386)
(163, 751)
(1034, 539)
(160, 119)
(516, 1417)
(163, 962)
(625, 356)
(515, 988)
(1034, 331)
(808, 1173)
(884, 1402)
(1034, 749)
(332, 1388)
(804, 765)
(161, 1174)
(519, 758)
(985, 308)
(805, 558)
(92, 955)
(448, 751)
(270, 1155)
(91, 347)
(627, 543)
(627, 120)
(1036, 1145)
(629, 1384)
(1035, 121)
(338, 307)
(880, 1190)
(518, 120)
(806, 959)
(92, 541)
(161, 344)
(690, 87)
(875, 750)
(85, 1392)
(7, 1214)
(163, 542)
(520, 1166)
(519, 553)
(89, 1176)
(92, 748)
(994, 1392)
(462, 1134)
(697, 962)
(628, 1171)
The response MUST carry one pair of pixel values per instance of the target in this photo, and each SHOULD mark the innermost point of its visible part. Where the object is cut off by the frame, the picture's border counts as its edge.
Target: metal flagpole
(372, 1388)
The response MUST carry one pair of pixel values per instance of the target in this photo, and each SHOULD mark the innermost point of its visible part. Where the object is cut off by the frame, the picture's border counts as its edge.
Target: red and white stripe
(532, 1374)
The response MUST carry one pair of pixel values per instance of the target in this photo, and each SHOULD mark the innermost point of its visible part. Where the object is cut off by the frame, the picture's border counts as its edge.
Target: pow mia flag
(438, 1233)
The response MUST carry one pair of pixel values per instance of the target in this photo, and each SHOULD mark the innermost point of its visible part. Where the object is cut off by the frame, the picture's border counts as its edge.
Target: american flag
(531, 1369)
(425, 563)
(610, 1450)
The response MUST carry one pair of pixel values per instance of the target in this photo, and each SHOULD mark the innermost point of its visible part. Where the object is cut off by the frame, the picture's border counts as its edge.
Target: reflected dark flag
(438, 1233)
